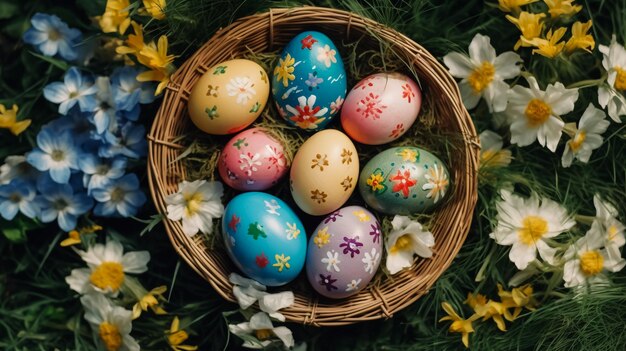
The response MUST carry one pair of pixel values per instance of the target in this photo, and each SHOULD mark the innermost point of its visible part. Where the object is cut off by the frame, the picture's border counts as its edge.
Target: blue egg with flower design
(309, 81)
(264, 238)
(404, 180)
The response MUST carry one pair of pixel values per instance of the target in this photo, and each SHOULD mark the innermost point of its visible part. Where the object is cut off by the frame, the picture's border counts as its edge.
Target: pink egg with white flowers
(381, 108)
(252, 160)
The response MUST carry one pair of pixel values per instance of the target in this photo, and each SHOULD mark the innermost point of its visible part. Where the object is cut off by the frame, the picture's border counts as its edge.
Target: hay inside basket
(177, 151)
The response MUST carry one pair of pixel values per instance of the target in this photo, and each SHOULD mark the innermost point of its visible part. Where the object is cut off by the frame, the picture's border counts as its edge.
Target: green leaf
(8, 10)
(56, 62)
(15, 235)
(92, 7)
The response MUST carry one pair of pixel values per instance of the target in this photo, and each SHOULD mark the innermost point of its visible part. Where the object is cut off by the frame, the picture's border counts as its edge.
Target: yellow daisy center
(533, 229)
(178, 337)
(481, 77)
(591, 263)
(110, 335)
(576, 143)
(263, 334)
(403, 243)
(194, 203)
(620, 80)
(108, 275)
(537, 112)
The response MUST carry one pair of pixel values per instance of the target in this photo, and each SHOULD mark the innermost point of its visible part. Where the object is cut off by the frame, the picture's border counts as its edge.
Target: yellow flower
(155, 8)
(518, 298)
(549, 47)
(408, 155)
(376, 181)
(361, 215)
(116, 16)
(134, 42)
(322, 238)
(177, 336)
(285, 69)
(156, 58)
(150, 300)
(459, 325)
(580, 39)
(73, 237)
(530, 24)
(8, 120)
(513, 5)
(487, 309)
(557, 8)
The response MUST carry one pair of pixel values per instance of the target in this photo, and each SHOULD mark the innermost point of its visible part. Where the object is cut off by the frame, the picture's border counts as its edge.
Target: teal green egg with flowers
(404, 180)
(309, 81)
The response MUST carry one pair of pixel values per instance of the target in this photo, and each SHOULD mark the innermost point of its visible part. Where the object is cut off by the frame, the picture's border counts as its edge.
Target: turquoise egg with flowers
(309, 81)
(404, 180)
(264, 238)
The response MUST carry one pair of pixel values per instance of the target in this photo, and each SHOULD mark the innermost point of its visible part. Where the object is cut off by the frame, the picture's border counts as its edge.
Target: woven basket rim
(376, 301)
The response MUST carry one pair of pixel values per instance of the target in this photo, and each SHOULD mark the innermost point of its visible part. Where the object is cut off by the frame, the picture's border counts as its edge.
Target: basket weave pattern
(270, 31)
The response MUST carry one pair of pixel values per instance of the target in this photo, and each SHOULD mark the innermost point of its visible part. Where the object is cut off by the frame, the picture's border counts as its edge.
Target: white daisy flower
(536, 113)
(526, 224)
(292, 231)
(112, 324)
(587, 137)
(371, 260)
(607, 224)
(197, 203)
(609, 93)
(483, 73)
(248, 291)
(108, 265)
(587, 260)
(491, 153)
(437, 182)
(332, 261)
(260, 332)
(242, 87)
(353, 285)
(406, 239)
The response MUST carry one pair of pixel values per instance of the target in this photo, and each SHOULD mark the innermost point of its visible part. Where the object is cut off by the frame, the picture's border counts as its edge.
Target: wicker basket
(270, 31)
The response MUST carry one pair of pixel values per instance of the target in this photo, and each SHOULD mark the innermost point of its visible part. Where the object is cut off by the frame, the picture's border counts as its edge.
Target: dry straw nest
(265, 32)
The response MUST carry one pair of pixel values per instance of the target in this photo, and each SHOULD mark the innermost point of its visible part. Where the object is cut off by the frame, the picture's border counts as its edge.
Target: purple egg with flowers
(344, 252)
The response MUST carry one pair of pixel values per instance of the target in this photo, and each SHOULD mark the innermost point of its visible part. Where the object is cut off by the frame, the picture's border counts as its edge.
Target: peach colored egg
(324, 172)
(252, 160)
(381, 108)
(229, 97)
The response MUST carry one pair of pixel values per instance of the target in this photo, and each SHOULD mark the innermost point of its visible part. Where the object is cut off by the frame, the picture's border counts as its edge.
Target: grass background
(39, 312)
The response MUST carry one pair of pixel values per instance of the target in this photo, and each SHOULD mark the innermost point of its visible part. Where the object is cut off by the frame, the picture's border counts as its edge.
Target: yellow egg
(229, 97)
(324, 172)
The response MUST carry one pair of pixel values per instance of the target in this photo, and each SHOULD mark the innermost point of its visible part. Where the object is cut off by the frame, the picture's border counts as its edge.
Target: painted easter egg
(324, 172)
(264, 238)
(344, 252)
(404, 180)
(309, 81)
(381, 108)
(252, 160)
(229, 97)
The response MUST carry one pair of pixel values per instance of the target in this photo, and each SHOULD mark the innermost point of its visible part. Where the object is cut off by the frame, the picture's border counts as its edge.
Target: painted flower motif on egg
(229, 97)
(309, 83)
(264, 238)
(404, 180)
(252, 160)
(324, 172)
(344, 252)
(381, 108)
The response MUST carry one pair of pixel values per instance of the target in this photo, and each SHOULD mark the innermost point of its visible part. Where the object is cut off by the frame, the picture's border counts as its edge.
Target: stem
(584, 219)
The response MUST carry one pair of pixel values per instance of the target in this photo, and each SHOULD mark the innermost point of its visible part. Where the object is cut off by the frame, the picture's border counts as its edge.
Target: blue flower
(100, 172)
(104, 112)
(52, 36)
(131, 142)
(75, 88)
(56, 153)
(18, 196)
(77, 123)
(61, 203)
(120, 197)
(128, 91)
